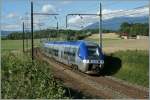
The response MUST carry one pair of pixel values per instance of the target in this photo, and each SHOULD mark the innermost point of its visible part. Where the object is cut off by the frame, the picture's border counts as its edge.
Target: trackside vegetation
(135, 66)
(22, 80)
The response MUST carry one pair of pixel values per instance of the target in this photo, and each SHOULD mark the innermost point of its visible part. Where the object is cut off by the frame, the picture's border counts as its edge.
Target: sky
(15, 12)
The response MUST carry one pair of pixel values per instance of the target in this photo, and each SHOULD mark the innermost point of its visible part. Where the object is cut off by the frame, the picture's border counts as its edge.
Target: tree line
(53, 33)
(132, 29)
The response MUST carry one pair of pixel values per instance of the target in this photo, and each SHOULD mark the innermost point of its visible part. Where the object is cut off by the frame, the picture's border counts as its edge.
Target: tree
(134, 29)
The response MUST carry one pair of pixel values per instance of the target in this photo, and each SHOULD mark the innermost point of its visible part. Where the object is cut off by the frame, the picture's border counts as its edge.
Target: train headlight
(101, 61)
(85, 61)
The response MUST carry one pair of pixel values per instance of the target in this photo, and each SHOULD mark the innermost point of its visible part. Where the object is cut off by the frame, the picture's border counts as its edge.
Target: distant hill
(114, 23)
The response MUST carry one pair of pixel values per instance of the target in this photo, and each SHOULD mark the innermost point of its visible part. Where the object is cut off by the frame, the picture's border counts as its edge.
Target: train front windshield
(93, 51)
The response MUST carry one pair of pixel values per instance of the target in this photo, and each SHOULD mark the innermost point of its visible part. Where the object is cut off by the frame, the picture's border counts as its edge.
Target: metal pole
(32, 30)
(27, 39)
(40, 31)
(57, 25)
(100, 26)
(57, 29)
(66, 22)
(23, 35)
(67, 26)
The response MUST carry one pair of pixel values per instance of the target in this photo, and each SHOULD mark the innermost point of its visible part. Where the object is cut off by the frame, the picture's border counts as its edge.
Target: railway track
(96, 86)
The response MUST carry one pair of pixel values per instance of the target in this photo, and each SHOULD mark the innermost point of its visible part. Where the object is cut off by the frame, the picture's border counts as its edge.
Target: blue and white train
(82, 55)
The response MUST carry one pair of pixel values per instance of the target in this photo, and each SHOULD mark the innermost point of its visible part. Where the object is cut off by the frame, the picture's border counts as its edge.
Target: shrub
(23, 79)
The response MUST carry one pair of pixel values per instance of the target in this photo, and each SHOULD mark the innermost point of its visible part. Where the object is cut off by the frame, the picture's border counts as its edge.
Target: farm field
(112, 43)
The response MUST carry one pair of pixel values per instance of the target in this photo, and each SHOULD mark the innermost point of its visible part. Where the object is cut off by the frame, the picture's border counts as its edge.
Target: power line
(137, 8)
(109, 4)
(125, 15)
(76, 26)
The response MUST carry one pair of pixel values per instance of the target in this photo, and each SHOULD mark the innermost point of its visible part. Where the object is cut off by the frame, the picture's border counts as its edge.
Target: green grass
(135, 67)
(8, 45)
(23, 80)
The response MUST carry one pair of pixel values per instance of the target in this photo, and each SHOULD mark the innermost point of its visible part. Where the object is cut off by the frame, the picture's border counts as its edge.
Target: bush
(23, 80)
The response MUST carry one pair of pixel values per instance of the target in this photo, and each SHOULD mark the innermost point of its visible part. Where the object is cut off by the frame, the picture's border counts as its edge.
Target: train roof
(75, 43)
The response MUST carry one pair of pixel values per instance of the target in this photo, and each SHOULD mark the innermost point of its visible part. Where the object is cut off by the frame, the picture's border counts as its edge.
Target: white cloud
(74, 20)
(48, 8)
(79, 22)
(11, 15)
(10, 27)
(81, 19)
(107, 14)
(89, 19)
(66, 1)
(138, 13)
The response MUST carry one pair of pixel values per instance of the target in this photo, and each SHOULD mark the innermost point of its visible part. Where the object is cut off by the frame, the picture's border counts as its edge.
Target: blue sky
(14, 10)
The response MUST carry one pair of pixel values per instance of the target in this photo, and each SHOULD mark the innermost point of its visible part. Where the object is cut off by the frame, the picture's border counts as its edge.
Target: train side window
(49, 50)
(61, 54)
(53, 52)
(74, 51)
(72, 54)
(56, 52)
(65, 54)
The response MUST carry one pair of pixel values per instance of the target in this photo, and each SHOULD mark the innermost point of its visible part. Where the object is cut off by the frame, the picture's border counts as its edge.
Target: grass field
(131, 66)
(8, 45)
